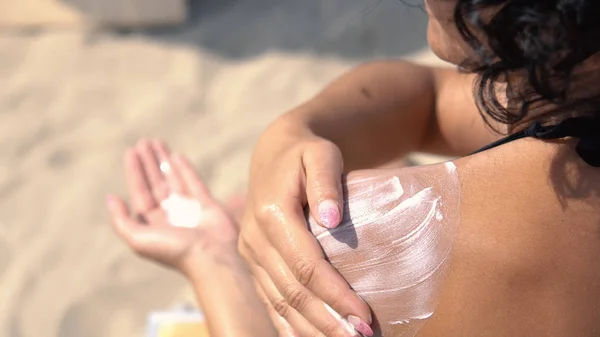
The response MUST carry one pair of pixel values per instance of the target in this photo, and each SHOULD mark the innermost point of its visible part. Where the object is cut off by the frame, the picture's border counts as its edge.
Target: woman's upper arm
(457, 128)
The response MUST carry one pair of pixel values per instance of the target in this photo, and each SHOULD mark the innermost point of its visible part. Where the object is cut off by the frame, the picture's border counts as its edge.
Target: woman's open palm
(155, 176)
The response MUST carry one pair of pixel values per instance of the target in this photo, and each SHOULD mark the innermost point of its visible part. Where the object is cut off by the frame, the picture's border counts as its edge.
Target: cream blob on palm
(182, 211)
(393, 244)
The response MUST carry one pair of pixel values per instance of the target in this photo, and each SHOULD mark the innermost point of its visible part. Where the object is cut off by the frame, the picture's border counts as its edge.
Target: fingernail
(329, 213)
(360, 325)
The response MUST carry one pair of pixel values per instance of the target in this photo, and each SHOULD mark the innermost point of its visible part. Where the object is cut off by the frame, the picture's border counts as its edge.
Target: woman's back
(504, 242)
(525, 261)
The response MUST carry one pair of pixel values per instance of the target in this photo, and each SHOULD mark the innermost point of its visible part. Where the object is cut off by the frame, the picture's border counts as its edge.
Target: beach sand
(72, 101)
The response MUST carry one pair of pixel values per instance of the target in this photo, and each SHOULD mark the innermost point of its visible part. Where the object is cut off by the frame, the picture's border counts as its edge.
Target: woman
(524, 261)
(205, 251)
(393, 219)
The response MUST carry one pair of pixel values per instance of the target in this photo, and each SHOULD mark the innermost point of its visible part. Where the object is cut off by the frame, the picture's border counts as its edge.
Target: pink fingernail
(329, 213)
(360, 325)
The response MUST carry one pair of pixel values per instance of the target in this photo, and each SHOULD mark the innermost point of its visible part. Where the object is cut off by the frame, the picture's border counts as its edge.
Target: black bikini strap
(586, 129)
(529, 132)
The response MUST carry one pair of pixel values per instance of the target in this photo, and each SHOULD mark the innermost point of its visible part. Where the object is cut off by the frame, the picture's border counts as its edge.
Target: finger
(169, 171)
(144, 240)
(274, 299)
(294, 295)
(282, 326)
(194, 185)
(121, 221)
(150, 162)
(302, 254)
(236, 207)
(281, 310)
(139, 191)
(324, 168)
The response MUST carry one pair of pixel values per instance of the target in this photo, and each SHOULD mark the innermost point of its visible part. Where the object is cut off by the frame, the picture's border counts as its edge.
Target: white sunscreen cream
(347, 326)
(394, 241)
(182, 211)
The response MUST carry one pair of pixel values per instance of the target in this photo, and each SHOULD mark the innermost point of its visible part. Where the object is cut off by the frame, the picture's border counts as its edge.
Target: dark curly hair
(544, 39)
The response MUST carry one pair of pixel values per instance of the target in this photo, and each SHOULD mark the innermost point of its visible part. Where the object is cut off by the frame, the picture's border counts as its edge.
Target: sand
(72, 101)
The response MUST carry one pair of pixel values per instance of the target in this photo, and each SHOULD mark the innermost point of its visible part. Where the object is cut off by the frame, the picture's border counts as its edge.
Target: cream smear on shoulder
(395, 240)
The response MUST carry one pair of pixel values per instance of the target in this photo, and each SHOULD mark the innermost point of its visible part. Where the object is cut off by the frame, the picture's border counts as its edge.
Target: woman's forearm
(226, 293)
(375, 113)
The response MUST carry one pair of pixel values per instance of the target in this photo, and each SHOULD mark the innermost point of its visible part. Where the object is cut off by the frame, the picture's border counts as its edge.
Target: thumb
(323, 165)
(122, 223)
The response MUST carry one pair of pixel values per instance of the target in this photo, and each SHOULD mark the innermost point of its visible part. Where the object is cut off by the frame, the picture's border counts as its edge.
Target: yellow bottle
(178, 323)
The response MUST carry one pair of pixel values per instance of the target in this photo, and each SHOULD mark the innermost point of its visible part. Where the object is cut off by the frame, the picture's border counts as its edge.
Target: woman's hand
(158, 180)
(293, 168)
(153, 175)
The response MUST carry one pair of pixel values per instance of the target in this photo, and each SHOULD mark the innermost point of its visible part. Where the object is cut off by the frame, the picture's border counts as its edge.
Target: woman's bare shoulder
(525, 259)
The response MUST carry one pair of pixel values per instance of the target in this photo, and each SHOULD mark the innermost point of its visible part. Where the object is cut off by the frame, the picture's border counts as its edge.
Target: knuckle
(323, 183)
(295, 296)
(249, 242)
(331, 329)
(319, 147)
(304, 270)
(281, 307)
(318, 144)
(251, 253)
(263, 215)
(336, 300)
(269, 213)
